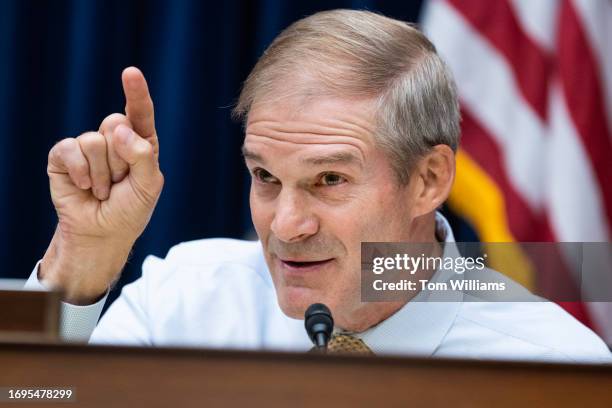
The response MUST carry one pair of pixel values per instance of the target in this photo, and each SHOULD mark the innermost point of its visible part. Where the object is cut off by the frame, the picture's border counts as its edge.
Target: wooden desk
(113, 377)
(26, 314)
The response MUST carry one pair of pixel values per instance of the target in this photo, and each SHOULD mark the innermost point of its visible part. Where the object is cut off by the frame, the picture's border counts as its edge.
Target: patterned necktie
(347, 344)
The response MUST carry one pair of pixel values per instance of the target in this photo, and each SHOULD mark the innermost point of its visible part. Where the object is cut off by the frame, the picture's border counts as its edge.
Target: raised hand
(104, 186)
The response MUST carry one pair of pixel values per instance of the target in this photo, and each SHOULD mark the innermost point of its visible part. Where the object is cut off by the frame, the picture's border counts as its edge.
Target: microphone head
(318, 319)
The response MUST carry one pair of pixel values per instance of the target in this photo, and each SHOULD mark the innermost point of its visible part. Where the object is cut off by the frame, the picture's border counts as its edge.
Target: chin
(294, 301)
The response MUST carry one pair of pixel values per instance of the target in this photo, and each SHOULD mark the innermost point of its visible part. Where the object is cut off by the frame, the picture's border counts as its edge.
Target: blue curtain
(60, 66)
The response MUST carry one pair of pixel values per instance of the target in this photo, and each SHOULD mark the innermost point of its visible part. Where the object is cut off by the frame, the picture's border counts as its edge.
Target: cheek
(383, 217)
(261, 215)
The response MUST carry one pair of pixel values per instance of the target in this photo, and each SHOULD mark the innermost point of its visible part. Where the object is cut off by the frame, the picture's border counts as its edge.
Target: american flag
(535, 86)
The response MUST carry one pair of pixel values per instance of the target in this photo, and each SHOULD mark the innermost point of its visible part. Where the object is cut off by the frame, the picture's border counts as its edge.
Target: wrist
(83, 270)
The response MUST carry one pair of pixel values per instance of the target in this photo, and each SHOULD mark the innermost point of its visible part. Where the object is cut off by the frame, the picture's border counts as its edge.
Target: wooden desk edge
(31, 346)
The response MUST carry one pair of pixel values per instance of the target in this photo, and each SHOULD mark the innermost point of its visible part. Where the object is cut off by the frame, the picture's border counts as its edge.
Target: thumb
(140, 156)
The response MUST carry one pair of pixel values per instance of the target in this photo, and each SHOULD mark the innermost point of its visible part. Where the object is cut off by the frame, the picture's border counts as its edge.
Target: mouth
(302, 265)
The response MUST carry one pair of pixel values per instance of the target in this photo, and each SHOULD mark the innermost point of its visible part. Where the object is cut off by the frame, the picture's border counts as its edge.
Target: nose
(293, 221)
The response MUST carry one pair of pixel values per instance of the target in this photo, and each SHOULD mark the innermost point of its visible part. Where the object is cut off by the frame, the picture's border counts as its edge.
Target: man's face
(319, 188)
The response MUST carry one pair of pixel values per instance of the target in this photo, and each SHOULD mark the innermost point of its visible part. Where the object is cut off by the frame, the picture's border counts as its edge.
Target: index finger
(138, 103)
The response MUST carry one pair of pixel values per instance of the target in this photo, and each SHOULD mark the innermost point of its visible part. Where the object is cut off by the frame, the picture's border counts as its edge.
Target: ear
(432, 179)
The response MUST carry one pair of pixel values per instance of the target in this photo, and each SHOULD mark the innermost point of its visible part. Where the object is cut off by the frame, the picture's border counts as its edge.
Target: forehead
(311, 124)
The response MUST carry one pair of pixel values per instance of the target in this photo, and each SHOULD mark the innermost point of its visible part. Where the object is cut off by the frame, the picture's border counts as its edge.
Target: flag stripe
(508, 120)
(525, 225)
(596, 17)
(582, 90)
(529, 63)
(572, 196)
(538, 19)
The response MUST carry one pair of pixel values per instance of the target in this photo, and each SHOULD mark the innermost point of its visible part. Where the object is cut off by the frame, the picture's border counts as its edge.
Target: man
(351, 127)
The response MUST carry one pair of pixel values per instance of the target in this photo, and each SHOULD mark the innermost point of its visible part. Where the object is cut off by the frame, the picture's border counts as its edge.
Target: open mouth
(305, 264)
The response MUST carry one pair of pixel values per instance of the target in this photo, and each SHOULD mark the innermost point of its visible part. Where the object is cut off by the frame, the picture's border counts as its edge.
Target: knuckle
(113, 120)
(143, 149)
(115, 117)
(90, 137)
(92, 142)
(59, 150)
(67, 144)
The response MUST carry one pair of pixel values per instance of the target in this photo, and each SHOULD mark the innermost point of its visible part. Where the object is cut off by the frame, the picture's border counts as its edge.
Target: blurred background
(534, 77)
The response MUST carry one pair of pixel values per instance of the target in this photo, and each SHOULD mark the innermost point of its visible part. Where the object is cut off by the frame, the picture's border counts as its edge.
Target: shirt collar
(421, 324)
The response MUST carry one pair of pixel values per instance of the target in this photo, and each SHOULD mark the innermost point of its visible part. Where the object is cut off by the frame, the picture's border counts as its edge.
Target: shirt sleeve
(76, 322)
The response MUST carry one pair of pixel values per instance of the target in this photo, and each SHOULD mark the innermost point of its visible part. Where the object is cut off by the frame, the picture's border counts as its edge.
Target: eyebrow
(334, 158)
(249, 155)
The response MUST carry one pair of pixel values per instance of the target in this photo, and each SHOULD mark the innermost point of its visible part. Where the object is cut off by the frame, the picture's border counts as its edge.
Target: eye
(332, 179)
(264, 176)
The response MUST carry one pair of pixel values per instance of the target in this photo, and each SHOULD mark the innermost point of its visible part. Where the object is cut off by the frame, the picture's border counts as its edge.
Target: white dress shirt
(218, 293)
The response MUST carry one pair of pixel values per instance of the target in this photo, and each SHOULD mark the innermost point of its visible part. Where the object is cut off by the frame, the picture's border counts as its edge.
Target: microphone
(319, 325)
